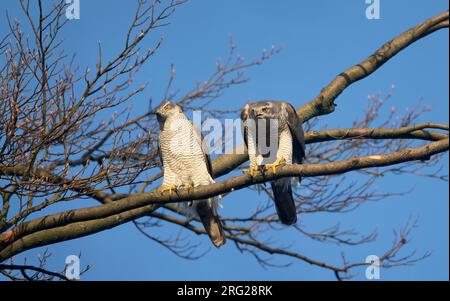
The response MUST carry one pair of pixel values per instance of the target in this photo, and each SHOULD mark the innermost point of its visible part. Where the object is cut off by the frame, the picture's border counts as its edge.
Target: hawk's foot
(273, 166)
(186, 186)
(170, 188)
(253, 170)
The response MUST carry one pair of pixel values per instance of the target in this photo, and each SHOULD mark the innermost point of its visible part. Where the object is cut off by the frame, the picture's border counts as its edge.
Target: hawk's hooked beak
(259, 114)
(158, 109)
(255, 112)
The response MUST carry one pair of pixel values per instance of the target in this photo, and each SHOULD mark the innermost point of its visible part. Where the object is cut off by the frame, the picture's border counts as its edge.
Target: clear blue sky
(321, 38)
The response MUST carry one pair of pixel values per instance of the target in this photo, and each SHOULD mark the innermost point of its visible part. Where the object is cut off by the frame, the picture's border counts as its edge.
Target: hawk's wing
(206, 210)
(282, 188)
(208, 163)
(298, 137)
(160, 154)
(205, 149)
(244, 117)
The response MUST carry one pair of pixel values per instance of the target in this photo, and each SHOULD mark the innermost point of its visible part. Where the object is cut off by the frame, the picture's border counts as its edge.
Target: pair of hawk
(187, 164)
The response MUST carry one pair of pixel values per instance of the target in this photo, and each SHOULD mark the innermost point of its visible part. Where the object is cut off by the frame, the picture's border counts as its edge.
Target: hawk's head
(263, 110)
(166, 109)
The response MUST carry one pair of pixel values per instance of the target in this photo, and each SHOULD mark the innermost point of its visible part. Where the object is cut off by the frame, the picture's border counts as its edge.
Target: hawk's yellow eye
(265, 110)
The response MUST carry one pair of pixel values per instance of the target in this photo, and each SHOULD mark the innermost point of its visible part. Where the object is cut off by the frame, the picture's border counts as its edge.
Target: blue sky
(321, 38)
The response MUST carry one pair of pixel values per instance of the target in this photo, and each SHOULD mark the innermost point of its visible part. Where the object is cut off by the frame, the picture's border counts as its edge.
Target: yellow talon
(186, 186)
(170, 188)
(273, 166)
(252, 170)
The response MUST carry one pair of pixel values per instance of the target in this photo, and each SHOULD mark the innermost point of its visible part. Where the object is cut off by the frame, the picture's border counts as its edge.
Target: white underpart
(182, 155)
(285, 146)
(253, 155)
(284, 149)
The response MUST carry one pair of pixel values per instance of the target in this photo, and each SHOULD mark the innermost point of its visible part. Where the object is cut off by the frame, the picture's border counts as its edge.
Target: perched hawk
(186, 165)
(276, 122)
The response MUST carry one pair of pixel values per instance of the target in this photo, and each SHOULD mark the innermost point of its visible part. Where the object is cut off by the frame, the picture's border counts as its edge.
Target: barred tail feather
(210, 220)
(284, 202)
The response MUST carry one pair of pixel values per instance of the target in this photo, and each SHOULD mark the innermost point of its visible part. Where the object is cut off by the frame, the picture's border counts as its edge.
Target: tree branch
(85, 221)
(60, 131)
(324, 102)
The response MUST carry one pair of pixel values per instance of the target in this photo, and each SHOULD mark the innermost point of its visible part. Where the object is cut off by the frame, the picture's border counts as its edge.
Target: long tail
(284, 202)
(211, 222)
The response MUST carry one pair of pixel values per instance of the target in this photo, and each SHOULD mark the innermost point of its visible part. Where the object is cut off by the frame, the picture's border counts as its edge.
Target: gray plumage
(185, 163)
(288, 146)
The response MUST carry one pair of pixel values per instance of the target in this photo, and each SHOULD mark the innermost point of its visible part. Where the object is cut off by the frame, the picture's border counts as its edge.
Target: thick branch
(407, 132)
(412, 132)
(324, 102)
(86, 221)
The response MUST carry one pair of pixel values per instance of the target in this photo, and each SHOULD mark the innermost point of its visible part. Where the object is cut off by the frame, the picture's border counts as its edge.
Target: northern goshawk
(273, 134)
(186, 164)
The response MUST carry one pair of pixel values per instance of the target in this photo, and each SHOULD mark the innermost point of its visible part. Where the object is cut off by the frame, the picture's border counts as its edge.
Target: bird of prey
(186, 164)
(277, 123)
